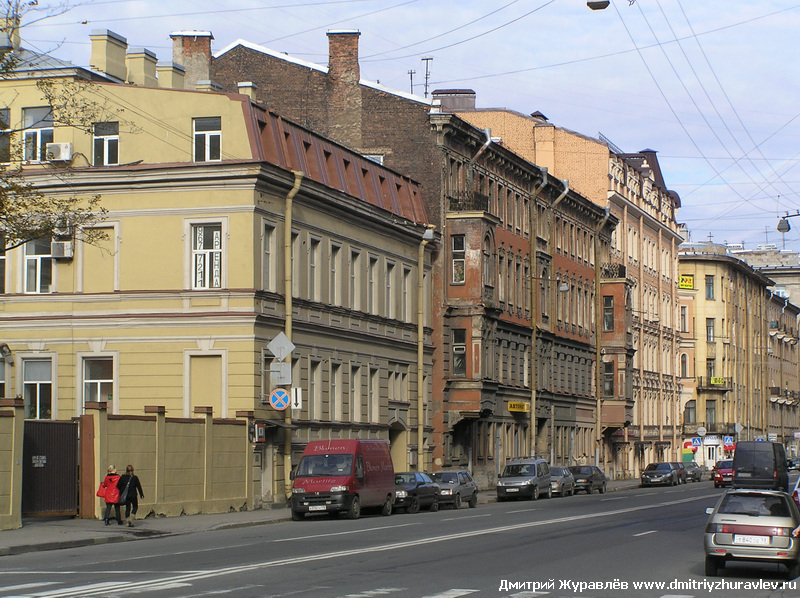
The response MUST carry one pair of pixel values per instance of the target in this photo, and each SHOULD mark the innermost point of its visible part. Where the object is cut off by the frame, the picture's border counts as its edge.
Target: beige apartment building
(637, 384)
(226, 226)
(738, 359)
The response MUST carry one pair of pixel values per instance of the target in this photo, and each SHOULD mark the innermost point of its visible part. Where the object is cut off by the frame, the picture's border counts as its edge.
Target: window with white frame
(314, 390)
(336, 392)
(391, 291)
(207, 255)
(38, 266)
(106, 143)
(98, 379)
(294, 261)
(355, 393)
(459, 352)
(207, 139)
(5, 135)
(374, 395)
(372, 285)
(314, 271)
(406, 301)
(355, 280)
(335, 290)
(269, 275)
(37, 388)
(458, 258)
(38, 132)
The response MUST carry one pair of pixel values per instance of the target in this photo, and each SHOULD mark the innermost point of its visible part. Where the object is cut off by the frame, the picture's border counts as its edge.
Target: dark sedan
(660, 474)
(588, 478)
(414, 490)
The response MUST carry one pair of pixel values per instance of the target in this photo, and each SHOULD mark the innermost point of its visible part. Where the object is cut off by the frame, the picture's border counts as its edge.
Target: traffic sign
(697, 441)
(280, 346)
(279, 399)
(297, 397)
(701, 431)
(727, 440)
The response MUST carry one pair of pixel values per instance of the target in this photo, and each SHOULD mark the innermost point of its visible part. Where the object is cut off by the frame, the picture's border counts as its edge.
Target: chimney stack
(344, 75)
(248, 88)
(108, 53)
(9, 34)
(142, 67)
(170, 75)
(192, 50)
(455, 100)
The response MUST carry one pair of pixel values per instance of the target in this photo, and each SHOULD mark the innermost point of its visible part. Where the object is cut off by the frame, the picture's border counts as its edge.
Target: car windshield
(313, 466)
(581, 469)
(518, 469)
(659, 467)
(755, 505)
(446, 477)
(725, 465)
(405, 478)
(556, 471)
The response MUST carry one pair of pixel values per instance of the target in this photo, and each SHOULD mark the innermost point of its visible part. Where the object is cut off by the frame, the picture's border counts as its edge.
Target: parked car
(660, 474)
(588, 478)
(562, 482)
(456, 487)
(524, 478)
(415, 490)
(793, 463)
(796, 492)
(752, 525)
(722, 473)
(683, 475)
(693, 471)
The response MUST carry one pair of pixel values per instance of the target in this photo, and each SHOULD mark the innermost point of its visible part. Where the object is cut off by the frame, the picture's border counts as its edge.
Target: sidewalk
(56, 533)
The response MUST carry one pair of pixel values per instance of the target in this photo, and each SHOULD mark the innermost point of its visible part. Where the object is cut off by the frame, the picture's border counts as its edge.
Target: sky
(712, 86)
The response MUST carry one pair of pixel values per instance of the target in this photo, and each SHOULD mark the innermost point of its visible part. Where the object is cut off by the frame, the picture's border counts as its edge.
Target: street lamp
(598, 4)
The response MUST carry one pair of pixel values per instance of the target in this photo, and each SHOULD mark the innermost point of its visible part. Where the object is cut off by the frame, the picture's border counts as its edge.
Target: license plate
(512, 489)
(317, 508)
(751, 540)
(743, 474)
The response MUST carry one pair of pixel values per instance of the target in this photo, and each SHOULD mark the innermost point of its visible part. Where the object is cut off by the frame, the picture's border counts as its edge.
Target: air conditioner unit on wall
(62, 250)
(59, 152)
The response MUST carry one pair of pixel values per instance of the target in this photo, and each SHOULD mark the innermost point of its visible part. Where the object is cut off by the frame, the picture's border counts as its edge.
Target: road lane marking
(652, 531)
(523, 511)
(454, 593)
(29, 586)
(467, 517)
(122, 587)
(347, 533)
(616, 498)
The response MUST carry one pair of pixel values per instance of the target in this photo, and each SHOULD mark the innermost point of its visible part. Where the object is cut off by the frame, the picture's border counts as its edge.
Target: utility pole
(427, 60)
(411, 76)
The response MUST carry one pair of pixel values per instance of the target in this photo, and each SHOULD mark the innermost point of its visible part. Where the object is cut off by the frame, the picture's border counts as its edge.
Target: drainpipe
(598, 325)
(287, 291)
(534, 313)
(427, 236)
(564, 182)
(483, 148)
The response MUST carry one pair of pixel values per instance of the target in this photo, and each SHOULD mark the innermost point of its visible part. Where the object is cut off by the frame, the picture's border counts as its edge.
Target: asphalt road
(588, 546)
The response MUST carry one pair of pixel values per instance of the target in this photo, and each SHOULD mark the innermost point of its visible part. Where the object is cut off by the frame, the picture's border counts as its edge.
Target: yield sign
(279, 399)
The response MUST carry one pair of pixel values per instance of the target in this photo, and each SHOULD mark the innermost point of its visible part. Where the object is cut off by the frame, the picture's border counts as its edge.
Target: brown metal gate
(50, 468)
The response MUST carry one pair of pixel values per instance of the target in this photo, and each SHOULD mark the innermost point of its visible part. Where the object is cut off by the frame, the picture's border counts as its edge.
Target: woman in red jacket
(112, 494)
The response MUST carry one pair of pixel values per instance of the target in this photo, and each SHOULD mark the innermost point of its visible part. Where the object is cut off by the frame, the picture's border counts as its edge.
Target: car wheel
(457, 502)
(535, 494)
(473, 501)
(602, 488)
(549, 492)
(413, 506)
(386, 510)
(434, 505)
(712, 565)
(675, 482)
(298, 516)
(572, 491)
(716, 485)
(794, 570)
(354, 512)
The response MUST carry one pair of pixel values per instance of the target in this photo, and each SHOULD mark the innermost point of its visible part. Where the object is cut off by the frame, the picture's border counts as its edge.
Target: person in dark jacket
(130, 482)
(110, 483)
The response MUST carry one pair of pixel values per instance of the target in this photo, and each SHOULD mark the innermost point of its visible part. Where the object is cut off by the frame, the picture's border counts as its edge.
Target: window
(207, 139)
(98, 379)
(336, 392)
(315, 391)
(38, 125)
(106, 144)
(38, 266)
(690, 412)
(459, 352)
(684, 365)
(710, 369)
(37, 388)
(488, 262)
(2, 377)
(406, 300)
(2, 264)
(608, 379)
(710, 330)
(5, 135)
(711, 412)
(207, 256)
(336, 266)
(608, 314)
(372, 285)
(314, 272)
(374, 395)
(684, 318)
(459, 259)
(355, 281)
(391, 289)
(355, 393)
(710, 287)
(269, 281)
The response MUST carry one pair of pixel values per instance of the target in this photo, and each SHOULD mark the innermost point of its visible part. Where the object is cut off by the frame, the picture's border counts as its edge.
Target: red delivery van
(335, 476)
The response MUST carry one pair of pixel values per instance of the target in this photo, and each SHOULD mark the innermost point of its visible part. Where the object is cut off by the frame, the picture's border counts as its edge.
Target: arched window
(488, 262)
(684, 365)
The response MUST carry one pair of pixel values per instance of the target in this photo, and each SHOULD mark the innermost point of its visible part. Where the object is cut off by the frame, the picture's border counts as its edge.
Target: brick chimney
(108, 53)
(142, 67)
(344, 76)
(192, 50)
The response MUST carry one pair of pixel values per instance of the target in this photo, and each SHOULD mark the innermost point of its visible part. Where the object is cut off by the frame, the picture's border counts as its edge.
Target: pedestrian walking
(110, 484)
(131, 489)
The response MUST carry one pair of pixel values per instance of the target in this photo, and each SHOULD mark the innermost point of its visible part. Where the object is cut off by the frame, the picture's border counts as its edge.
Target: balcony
(613, 270)
(462, 201)
(714, 383)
